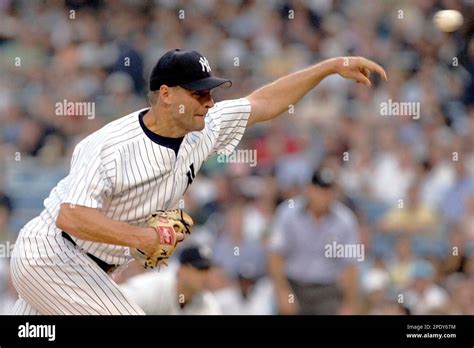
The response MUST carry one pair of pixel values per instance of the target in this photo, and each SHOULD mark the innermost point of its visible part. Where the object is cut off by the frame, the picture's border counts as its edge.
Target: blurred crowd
(409, 181)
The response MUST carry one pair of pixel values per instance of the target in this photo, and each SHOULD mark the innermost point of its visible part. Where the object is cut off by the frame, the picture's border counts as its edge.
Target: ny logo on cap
(204, 64)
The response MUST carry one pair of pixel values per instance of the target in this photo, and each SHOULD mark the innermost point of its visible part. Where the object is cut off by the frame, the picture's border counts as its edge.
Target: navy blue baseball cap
(199, 257)
(185, 68)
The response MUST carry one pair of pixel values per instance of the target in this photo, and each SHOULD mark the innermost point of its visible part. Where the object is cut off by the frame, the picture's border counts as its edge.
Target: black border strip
(381, 331)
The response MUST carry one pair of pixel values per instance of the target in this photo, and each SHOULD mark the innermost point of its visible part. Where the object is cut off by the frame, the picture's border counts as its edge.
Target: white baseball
(448, 20)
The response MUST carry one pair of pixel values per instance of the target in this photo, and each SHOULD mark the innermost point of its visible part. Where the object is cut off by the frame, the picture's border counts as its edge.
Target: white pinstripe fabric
(22, 307)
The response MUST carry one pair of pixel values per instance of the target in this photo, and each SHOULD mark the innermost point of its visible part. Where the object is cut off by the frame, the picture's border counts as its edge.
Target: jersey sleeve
(88, 183)
(230, 118)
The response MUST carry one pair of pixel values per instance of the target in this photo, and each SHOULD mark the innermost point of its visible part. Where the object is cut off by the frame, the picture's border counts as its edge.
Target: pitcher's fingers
(361, 78)
(366, 72)
(372, 66)
(179, 236)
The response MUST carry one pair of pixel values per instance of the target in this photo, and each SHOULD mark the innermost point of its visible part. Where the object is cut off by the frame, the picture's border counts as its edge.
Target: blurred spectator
(411, 217)
(437, 176)
(299, 263)
(401, 268)
(424, 296)
(177, 290)
(7, 238)
(467, 220)
(232, 248)
(249, 294)
(462, 298)
(8, 295)
(453, 204)
(119, 98)
(456, 257)
(377, 296)
(393, 172)
(6, 208)
(375, 282)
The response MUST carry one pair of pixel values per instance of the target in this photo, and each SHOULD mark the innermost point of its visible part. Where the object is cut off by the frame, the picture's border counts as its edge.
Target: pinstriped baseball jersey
(127, 174)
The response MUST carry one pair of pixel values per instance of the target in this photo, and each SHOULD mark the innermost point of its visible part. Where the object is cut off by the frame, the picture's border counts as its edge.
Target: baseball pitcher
(126, 178)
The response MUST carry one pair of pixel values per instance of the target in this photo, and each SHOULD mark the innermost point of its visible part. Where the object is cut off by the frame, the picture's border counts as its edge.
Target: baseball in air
(448, 20)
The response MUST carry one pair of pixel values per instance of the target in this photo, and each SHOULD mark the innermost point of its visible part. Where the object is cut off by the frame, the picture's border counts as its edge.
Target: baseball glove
(166, 224)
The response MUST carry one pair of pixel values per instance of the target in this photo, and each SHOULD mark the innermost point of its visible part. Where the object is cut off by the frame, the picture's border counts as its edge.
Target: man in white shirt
(178, 289)
(250, 294)
(424, 296)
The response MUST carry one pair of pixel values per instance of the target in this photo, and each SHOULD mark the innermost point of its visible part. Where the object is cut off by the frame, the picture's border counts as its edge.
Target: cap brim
(207, 83)
(322, 184)
(201, 264)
